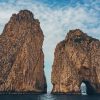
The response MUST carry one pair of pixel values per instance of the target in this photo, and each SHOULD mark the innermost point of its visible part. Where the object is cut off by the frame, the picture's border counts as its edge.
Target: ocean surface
(47, 97)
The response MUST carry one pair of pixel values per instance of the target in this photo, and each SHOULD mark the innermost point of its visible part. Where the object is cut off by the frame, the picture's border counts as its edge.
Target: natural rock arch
(77, 59)
(89, 88)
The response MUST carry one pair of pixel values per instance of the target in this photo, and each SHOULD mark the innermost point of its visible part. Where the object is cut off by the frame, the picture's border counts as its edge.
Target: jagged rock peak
(78, 39)
(23, 15)
(75, 32)
(78, 36)
(24, 20)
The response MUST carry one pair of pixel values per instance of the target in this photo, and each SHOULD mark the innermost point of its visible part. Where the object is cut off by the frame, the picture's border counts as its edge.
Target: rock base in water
(77, 60)
(21, 55)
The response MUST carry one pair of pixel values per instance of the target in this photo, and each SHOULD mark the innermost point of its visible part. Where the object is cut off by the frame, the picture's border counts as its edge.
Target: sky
(56, 18)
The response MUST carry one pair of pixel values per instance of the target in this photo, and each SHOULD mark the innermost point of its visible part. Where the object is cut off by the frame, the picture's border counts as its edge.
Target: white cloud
(55, 23)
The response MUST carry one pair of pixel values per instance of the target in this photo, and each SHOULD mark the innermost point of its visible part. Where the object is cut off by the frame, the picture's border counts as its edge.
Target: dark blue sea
(47, 97)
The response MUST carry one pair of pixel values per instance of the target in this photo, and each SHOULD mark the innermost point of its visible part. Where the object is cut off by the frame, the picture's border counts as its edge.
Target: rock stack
(21, 55)
(77, 60)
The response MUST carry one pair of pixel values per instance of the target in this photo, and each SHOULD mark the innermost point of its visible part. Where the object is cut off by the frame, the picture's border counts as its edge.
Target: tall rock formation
(21, 55)
(77, 60)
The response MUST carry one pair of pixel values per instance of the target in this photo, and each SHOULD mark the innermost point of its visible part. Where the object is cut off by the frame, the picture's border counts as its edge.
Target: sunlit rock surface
(21, 55)
(77, 60)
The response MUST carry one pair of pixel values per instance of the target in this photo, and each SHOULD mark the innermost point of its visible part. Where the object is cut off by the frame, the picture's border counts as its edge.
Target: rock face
(21, 55)
(77, 60)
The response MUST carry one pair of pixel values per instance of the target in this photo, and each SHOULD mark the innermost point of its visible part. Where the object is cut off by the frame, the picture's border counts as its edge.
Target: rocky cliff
(21, 55)
(77, 60)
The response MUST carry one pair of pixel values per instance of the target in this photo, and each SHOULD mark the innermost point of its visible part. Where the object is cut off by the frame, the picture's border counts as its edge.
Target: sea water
(47, 97)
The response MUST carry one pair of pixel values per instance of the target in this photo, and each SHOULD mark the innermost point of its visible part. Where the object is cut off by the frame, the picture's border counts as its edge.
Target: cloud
(56, 22)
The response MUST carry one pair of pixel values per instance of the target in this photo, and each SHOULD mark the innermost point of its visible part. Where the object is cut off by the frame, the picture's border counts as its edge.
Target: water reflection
(47, 97)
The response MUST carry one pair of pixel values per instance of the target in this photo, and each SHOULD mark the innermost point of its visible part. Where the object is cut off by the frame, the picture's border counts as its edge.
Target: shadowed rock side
(77, 60)
(21, 55)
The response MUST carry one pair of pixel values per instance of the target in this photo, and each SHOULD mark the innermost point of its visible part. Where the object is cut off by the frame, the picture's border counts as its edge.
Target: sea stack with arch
(76, 60)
